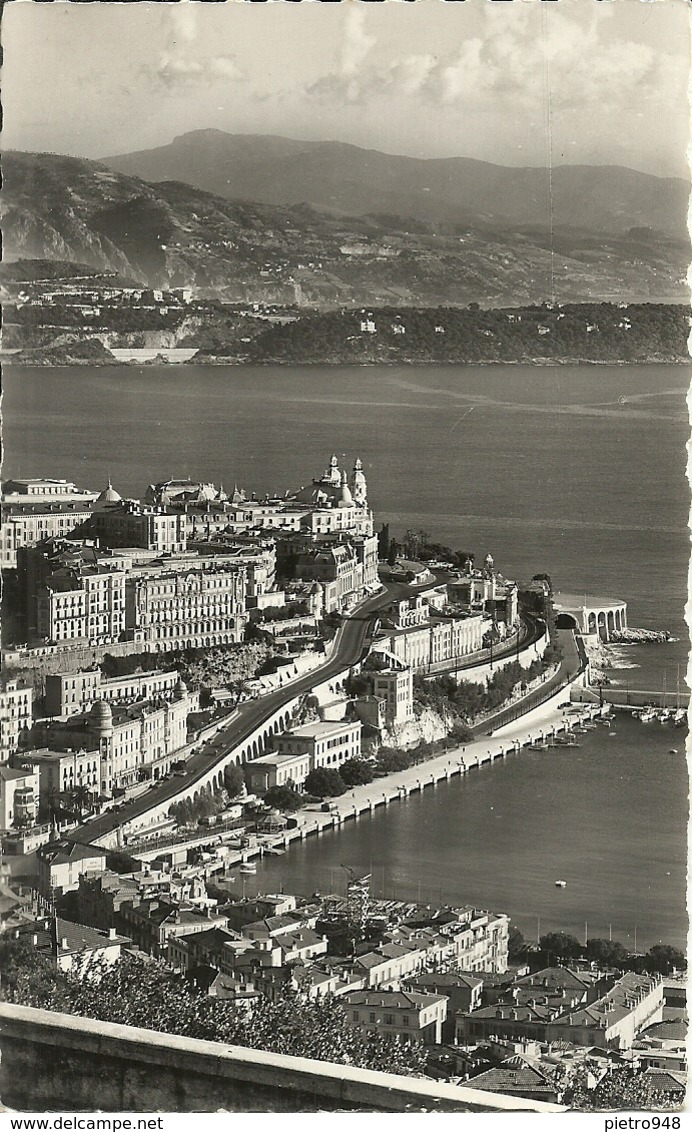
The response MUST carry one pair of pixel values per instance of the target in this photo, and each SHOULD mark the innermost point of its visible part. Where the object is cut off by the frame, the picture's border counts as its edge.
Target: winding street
(348, 649)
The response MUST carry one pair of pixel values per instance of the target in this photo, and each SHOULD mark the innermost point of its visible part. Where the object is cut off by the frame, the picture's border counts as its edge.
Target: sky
(519, 82)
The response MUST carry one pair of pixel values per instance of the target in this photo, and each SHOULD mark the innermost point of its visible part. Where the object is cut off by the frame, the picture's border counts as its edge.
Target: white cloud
(180, 62)
(515, 61)
(225, 67)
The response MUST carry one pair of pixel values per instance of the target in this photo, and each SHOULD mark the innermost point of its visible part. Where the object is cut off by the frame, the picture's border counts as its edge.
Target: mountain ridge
(278, 170)
(170, 233)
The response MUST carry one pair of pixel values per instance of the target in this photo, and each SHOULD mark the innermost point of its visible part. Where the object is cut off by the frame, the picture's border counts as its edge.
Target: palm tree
(81, 797)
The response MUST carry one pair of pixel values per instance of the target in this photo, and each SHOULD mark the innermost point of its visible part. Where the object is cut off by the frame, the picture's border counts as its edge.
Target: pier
(535, 734)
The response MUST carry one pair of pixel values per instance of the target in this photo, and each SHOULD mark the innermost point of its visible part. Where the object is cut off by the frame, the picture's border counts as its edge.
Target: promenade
(543, 722)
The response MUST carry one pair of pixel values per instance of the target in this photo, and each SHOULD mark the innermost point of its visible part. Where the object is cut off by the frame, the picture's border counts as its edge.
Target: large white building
(324, 744)
(192, 602)
(19, 792)
(133, 742)
(16, 716)
(73, 692)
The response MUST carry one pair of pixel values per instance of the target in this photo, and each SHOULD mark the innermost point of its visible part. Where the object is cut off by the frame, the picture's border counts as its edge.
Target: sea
(574, 471)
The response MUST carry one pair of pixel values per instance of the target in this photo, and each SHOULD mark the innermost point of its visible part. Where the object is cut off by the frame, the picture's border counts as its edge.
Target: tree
(383, 541)
(234, 780)
(29, 975)
(517, 943)
(356, 772)
(49, 802)
(81, 798)
(559, 945)
(389, 760)
(325, 782)
(391, 556)
(149, 995)
(662, 959)
(606, 952)
(621, 1088)
(182, 811)
(284, 798)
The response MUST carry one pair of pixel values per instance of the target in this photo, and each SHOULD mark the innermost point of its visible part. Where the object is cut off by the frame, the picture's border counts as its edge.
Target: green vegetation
(621, 1089)
(189, 811)
(466, 700)
(119, 862)
(147, 994)
(553, 332)
(356, 772)
(233, 780)
(325, 782)
(284, 798)
(556, 947)
(200, 667)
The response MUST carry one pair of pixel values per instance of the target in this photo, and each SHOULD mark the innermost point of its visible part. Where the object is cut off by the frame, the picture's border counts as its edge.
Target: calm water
(609, 818)
(577, 471)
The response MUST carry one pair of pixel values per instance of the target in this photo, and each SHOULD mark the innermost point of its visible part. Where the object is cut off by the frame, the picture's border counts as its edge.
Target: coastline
(540, 722)
(75, 363)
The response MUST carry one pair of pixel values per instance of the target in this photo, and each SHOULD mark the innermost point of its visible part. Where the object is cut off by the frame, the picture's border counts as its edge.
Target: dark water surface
(578, 471)
(608, 817)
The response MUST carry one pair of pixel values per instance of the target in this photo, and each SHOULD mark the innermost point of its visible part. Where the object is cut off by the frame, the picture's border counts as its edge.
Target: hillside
(450, 191)
(172, 235)
(599, 332)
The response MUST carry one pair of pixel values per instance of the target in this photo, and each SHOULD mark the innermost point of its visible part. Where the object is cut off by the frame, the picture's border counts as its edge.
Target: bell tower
(359, 487)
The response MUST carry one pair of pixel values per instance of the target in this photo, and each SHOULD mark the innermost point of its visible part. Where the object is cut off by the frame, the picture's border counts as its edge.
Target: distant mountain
(173, 234)
(454, 190)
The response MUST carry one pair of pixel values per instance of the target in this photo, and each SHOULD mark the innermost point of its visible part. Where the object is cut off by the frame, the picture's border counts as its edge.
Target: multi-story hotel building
(128, 524)
(25, 524)
(132, 742)
(186, 603)
(74, 692)
(16, 715)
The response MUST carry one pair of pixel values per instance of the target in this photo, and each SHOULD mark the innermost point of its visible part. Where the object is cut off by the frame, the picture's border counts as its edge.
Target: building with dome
(182, 492)
(107, 498)
(131, 742)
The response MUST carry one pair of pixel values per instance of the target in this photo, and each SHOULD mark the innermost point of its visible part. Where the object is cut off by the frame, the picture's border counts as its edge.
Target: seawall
(61, 1063)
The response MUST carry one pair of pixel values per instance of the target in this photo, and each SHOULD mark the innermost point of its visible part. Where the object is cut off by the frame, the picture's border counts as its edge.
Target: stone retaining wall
(59, 1063)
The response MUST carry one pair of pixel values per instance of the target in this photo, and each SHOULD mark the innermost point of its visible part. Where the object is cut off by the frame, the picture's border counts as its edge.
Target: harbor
(549, 725)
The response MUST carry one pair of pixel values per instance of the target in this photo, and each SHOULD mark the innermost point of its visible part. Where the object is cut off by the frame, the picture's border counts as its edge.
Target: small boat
(673, 751)
(248, 867)
(567, 740)
(561, 884)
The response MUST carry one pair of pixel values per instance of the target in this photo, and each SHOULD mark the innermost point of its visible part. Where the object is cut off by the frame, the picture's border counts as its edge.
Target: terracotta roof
(666, 1081)
(511, 1077)
(670, 1030)
(80, 938)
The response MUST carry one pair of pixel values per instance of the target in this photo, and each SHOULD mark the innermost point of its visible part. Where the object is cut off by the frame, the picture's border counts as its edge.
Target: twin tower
(357, 490)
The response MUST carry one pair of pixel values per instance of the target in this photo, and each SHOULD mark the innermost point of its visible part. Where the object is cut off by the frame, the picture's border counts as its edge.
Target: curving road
(349, 647)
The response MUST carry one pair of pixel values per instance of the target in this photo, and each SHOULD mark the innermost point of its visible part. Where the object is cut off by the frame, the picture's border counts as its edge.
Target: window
(356, 1016)
(389, 1019)
(372, 1016)
(404, 1020)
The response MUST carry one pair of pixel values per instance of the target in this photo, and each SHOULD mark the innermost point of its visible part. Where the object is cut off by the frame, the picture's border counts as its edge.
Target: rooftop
(319, 730)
